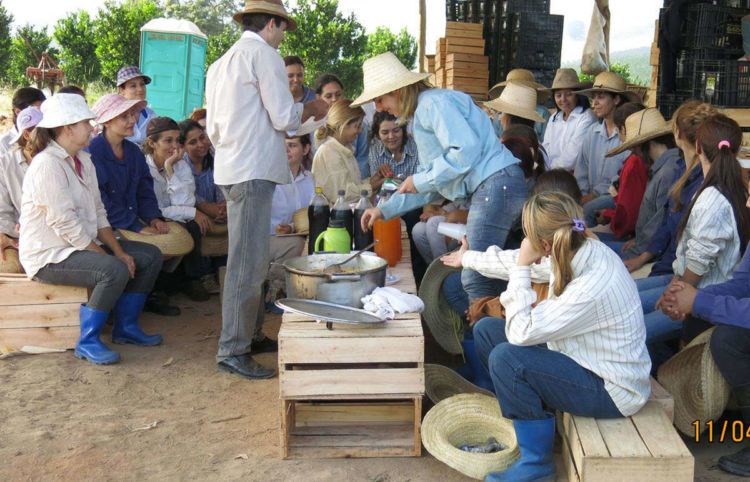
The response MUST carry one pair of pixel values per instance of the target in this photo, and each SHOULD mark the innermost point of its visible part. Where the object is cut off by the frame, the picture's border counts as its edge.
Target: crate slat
(351, 350)
(40, 316)
(63, 337)
(342, 383)
(19, 290)
(331, 413)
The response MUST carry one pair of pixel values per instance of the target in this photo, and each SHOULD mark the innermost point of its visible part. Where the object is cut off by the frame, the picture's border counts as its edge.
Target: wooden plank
(470, 89)
(342, 383)
(741, 116)
(40, 316)
(63, 337)
(400, 435)
(287, 408)
(417, 426)
(658, 434)
(478, 73)
(467, 82)
(349, 452)
(309, 329)
(462, 49)
(465, 26)
(466, 34)
(327, 414)
(622, 438)
(654, 59)
(352, 350)
(568, 463)
(440, 77)
(662, 397)
(464, 41)
(636, 469)
(474, 59)
(22, 291)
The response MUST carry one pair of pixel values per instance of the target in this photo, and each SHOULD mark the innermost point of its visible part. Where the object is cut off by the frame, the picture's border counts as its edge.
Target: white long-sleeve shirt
(249, 109)
(563, 138)
(13, 167)
(176, 195)
(288, 198)
(597, 320)
(710, 244)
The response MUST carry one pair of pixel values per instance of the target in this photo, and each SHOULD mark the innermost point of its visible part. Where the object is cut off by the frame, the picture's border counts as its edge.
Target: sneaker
(210, 284)
(246, 366)
(195, 291)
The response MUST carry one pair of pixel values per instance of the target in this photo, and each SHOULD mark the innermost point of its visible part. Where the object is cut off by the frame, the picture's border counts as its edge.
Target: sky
(632, 20)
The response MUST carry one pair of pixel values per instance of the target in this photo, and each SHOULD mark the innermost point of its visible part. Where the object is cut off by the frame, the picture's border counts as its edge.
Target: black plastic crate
(535, 41)
(668, 103)
(713, 26)
(724, 83)
(531, 6)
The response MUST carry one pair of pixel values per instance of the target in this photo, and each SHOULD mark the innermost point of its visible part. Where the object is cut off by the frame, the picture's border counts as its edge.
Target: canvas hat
(640, 127)
(271, 7)
(568, 79)
(26, 119)
(612, 83)
(384, 73)
(699, 389)
(444, 323)
(520, 76)
(64, 110)
(469, 419)
(517, 99)
(131, 72)
(110, 106)
(441, 382)
(177, 242)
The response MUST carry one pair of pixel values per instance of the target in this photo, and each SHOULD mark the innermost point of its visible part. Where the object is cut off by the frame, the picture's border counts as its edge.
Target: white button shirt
(176, 195)
(563, 138)
(288, 198)
(60, 212)
(13, 167)
(249, 108)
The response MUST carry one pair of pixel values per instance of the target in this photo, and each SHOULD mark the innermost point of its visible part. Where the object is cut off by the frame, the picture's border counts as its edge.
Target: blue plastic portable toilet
(173, 54)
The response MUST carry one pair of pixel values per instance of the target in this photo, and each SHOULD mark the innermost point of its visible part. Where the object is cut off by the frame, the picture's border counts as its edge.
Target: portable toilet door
(173, 54)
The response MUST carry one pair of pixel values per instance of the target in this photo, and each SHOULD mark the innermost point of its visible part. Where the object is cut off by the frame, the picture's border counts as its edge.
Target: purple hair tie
(724, 143)
(579, 225)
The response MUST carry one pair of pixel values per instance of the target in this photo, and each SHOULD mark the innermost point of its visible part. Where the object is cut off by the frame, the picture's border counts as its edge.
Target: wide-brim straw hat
(524, 77)
(301, 221)
(385, 73)
(214, 246)
(177, 242)
(567, 79)
(612, 83)
(469, 419)
(110, 106)
(271, 7)
(444, 323)
(441, 382)
(641, 127)
(519, 100)
(11, 265)
(693, 379)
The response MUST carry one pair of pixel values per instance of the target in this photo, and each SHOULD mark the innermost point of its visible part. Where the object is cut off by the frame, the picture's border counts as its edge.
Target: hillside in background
(638, 59)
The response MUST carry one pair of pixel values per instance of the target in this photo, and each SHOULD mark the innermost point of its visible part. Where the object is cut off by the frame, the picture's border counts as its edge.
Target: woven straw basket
(177, 242)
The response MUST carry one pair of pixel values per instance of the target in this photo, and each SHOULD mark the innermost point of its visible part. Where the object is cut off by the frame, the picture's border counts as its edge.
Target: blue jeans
(495, 206)
(603, 201)
(454, 293)
(531, 380)
(659, 327)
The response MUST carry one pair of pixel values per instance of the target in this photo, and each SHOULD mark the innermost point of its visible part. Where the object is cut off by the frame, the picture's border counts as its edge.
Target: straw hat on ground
(271, 7)
(441, 382)
(699, 389)
(567, 79)
(524, 77)
(641, 127)
(612, 83)
(11, 263)
(518, 100)
(177, 242)
(469, 419)
(216, 240)
(444, 323)
(384, 73)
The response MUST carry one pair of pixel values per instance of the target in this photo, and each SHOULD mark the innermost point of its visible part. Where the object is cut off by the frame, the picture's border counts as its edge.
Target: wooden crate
(440, 78)
(440, 54)
(38, 314)
(455, 60)
(463, 29)
(642, 447)
(430, 63)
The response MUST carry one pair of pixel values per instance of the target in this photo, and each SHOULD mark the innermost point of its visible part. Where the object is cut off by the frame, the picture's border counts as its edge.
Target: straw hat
(301, 221)
(441, 382)
(11, 263)
(214, 246)
(444, 323)
(110, 106)
(271, 7)
(472, 419)
(177, 242)
(524, 77)
(699, 389)
(612, 83)
(568, 79)
(640, 127)
(64, 110)
(517, 99)
(384, 73)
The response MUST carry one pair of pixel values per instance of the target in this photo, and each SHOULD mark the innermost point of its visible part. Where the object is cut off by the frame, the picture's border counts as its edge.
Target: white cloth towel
(386, 302)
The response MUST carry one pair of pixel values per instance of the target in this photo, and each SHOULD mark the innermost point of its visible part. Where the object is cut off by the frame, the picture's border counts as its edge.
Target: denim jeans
(603, 201)
(532, 380)
(454, 293)
(659, 327)
(106, 275)
(242, 309)
(418, 265)
(730, 348)
(612, 242)
(495, 207)
(429, 242)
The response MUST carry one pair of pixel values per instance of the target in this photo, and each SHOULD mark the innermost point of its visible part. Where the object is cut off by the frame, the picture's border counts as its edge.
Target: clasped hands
(677, 300)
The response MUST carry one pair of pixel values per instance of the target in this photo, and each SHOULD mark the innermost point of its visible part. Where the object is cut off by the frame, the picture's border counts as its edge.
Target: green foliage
(403, 45)
(623, 70)
(118, 33)
(75, 36)
(6, 40)
(211, 16)
(26, 49)
(218, 44)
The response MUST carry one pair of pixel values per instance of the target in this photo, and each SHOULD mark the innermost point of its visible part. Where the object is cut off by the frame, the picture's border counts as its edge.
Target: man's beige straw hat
(271, 7)
(520, 76)
(640, 127)
(384, 73)
(612, 83)
(518, 100)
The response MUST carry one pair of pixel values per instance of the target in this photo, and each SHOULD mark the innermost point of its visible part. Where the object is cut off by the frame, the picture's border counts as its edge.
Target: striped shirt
(710, 244)
(406, 167)
(597, 320)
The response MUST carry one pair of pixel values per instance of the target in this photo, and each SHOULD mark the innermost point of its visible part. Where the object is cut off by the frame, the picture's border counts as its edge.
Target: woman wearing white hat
(66, 238)
(460, 158)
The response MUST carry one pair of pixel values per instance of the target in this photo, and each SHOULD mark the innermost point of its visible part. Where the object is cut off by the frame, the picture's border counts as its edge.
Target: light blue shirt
(362, 150)
(593, 171)
(141, 126)
(288, 198)
(458, 150)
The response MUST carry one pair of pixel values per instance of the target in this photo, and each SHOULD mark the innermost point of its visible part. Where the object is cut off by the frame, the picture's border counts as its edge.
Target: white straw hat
(64, 110)
(520, 76)
(518, 100)
(641, 127)
(384, 73)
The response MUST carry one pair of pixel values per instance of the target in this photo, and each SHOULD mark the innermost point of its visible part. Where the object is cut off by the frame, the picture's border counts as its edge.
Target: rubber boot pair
(535, 441)
(739, 462)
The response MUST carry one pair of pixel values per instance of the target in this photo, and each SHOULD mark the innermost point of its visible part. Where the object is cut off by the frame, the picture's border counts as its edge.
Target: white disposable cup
(452, 230)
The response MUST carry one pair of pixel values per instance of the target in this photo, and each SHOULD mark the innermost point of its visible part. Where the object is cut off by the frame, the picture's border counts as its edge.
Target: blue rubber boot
(89, 346)
(535, 441)
(126, 330)
(479, 375)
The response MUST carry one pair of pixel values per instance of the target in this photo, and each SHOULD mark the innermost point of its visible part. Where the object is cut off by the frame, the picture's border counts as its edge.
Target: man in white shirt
(249, 108)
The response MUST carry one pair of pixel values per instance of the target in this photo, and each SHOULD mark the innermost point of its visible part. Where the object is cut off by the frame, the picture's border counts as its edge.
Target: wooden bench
(38, 314)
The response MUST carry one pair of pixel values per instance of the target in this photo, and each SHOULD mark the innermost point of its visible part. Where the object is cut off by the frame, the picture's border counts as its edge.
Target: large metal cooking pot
(305, 278)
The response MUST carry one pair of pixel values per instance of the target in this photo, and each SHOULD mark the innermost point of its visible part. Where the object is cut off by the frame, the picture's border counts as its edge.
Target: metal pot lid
(329, 312)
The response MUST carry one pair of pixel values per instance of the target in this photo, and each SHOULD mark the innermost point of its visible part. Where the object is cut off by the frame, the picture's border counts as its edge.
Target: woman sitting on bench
(67, 240)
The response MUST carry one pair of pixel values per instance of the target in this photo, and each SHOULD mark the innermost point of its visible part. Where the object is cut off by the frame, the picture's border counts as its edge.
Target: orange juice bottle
(388, 233)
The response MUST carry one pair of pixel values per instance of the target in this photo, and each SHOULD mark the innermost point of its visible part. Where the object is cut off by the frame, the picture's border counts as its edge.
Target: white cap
(63, 110)
(26, 119)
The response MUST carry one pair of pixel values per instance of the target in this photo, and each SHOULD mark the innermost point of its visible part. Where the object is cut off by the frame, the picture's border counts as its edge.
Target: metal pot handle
(343, 277)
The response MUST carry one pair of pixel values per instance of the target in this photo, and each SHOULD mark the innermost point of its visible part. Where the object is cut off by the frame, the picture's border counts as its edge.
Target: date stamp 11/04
(723, 431)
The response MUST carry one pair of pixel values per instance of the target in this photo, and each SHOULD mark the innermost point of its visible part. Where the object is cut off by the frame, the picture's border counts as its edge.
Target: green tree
(403, 45)
(327, 41)
(75, 36)
(623, 70)
(26, 49)
(118, 34)
(6, 40)
(219, 43)
(211, 16)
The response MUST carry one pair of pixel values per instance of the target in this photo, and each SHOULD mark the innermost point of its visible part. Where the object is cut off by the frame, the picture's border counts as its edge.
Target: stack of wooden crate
(651, 98)
(460, 63)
